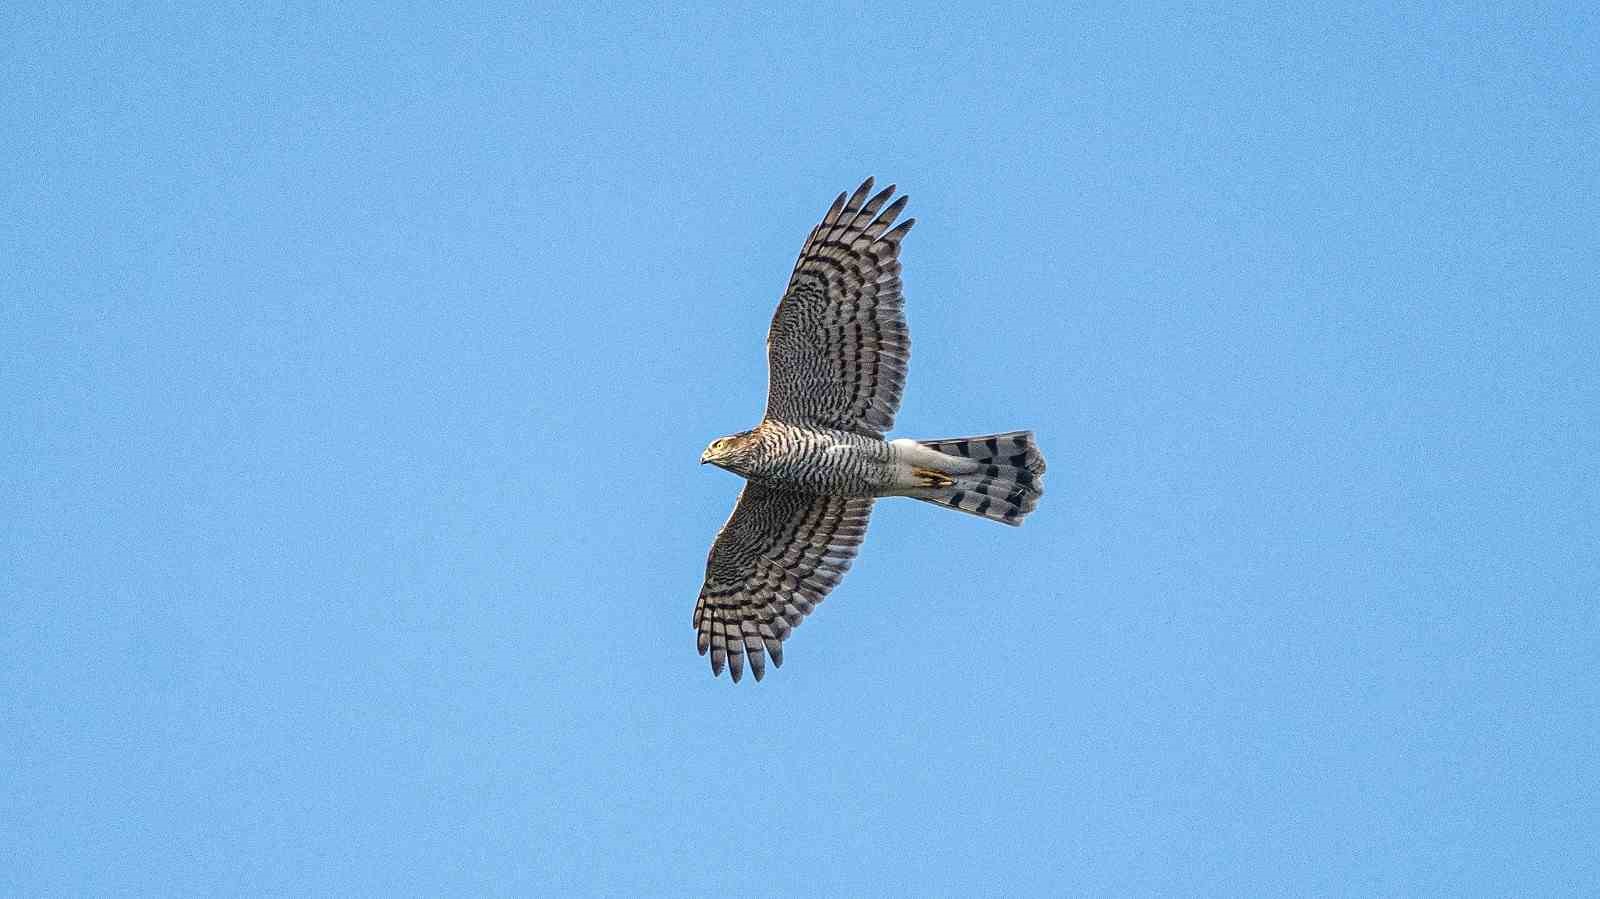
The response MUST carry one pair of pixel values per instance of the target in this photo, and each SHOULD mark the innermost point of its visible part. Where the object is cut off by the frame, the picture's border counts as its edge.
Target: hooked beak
(705, 457)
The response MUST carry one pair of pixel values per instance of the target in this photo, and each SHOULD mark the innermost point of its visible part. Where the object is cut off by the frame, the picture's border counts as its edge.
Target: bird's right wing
(838, 346)
(776, 558)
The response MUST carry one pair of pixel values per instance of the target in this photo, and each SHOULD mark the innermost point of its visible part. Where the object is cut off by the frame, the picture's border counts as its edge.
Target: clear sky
(356, 362)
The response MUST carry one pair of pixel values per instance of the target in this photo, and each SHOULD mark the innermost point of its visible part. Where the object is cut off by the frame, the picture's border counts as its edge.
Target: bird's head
(731, 452)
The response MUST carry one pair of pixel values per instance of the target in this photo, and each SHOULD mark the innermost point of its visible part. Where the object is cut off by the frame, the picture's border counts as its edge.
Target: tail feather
(997, 476)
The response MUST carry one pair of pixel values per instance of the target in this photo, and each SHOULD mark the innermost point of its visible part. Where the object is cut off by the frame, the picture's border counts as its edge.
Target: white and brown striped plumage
(836, 355)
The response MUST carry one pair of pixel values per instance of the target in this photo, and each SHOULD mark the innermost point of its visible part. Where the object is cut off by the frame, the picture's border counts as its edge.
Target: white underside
(910, 454)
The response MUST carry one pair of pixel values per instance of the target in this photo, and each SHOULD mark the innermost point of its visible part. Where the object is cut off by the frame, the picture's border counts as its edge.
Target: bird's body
(837, 354)
(819, 460)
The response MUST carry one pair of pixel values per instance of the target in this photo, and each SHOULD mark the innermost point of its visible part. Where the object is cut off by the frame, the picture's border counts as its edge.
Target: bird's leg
(930, 478)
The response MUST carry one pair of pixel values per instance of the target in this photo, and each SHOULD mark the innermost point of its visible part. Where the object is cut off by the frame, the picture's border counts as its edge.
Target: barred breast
(823, 461)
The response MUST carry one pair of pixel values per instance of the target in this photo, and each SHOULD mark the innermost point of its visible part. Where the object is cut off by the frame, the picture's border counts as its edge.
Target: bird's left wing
(838, 346)
(776, 558)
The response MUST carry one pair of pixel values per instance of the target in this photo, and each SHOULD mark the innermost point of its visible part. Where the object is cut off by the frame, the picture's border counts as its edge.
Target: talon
(931, 478)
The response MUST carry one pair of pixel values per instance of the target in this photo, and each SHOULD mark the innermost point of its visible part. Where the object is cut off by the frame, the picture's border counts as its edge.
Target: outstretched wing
(837, 350)
(776, 558)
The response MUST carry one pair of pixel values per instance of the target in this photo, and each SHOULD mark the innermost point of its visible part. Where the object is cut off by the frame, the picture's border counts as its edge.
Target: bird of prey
(836, 357)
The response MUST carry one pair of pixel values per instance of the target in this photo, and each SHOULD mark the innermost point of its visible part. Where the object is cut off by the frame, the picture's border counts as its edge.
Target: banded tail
(997, 476)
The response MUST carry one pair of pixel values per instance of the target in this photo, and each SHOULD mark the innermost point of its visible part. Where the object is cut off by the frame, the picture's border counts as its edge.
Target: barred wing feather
(838, 346)
(777, 557)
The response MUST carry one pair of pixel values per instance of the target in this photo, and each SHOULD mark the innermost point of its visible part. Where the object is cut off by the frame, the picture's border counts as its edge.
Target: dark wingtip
(860, 196)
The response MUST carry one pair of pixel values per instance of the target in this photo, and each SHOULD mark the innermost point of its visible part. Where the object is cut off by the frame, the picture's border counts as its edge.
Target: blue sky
(357, 361)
